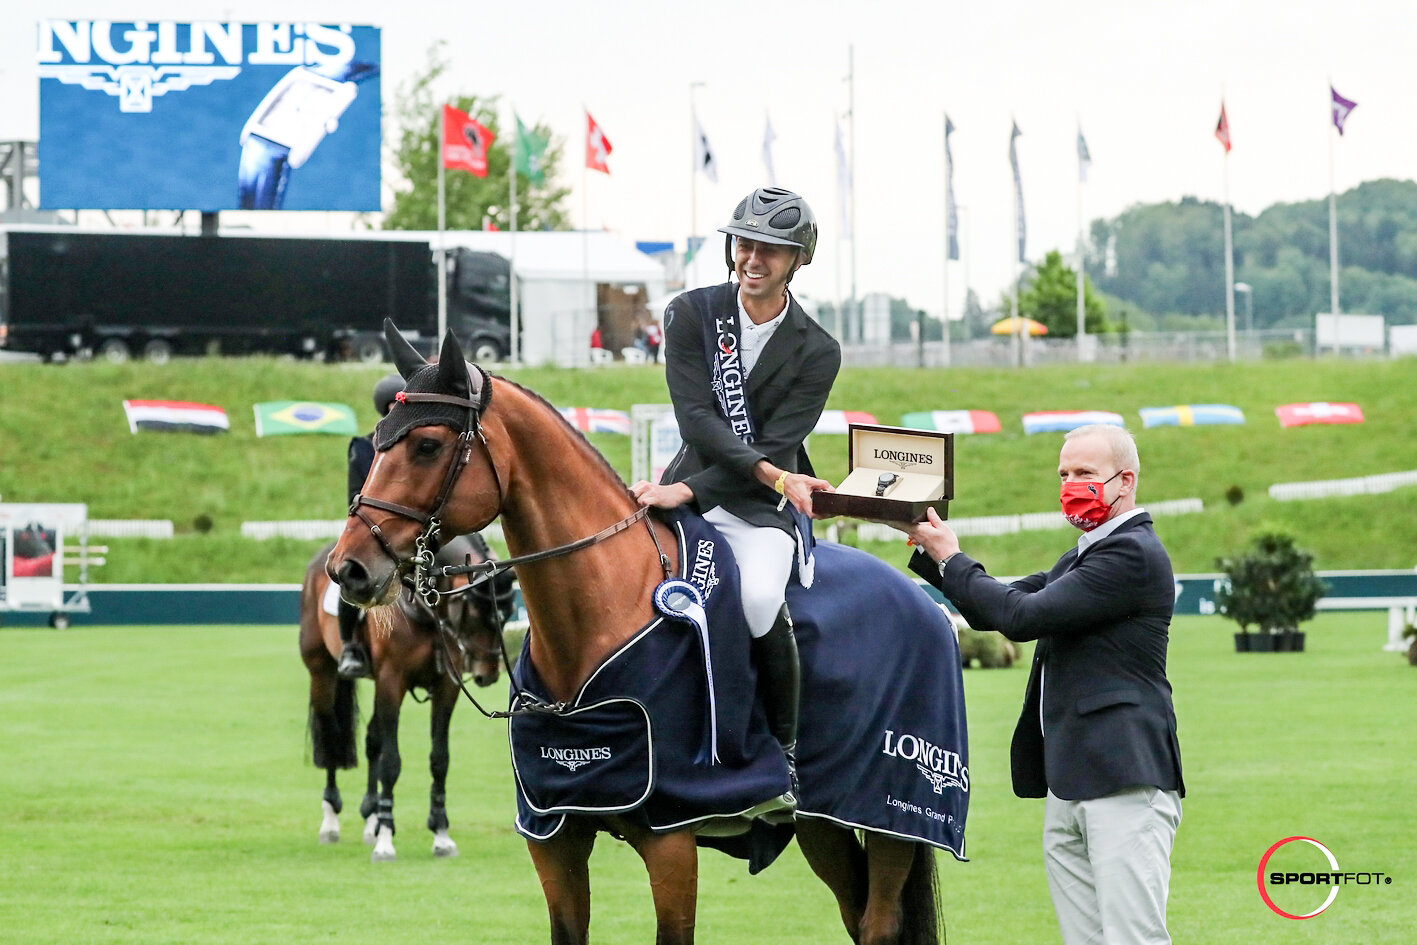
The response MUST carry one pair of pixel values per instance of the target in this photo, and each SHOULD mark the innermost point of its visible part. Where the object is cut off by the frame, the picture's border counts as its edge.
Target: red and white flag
(1298, 415)
(836, 421)
(1222, 129)
(597, 147)
(465, 142)
(177, 416)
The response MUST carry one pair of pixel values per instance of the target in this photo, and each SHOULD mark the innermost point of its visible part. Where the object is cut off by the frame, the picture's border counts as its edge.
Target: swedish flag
(281, 417)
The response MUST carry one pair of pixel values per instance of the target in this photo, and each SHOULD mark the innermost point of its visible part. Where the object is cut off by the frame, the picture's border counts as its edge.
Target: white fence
(1362, 485)
(129, 528)
(312, 529)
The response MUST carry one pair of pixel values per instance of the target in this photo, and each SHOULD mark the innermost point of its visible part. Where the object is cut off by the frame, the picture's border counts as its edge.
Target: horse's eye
(427, 446)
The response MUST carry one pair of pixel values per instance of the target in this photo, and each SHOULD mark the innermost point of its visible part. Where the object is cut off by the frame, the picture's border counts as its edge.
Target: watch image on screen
(286, 127)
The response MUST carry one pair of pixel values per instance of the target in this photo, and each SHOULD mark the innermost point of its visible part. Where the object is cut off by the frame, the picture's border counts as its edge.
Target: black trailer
(66, 292)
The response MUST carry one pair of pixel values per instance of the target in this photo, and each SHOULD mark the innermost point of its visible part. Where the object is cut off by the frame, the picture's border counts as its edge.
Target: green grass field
(157, 791)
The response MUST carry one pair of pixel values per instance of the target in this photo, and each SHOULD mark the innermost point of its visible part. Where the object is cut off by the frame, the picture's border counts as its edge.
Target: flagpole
(693, 180)
(841, 232)
(442, 248)
(1332, 233)
(945, 269)
(1082, 304)
(851, 106)
(1229, 269)
(513, 322)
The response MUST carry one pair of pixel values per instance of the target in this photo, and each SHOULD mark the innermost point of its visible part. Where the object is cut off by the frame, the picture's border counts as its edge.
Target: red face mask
(1083, 505)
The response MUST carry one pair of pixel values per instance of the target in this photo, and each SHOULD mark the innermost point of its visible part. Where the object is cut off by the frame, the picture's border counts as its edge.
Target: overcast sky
(1144, 78)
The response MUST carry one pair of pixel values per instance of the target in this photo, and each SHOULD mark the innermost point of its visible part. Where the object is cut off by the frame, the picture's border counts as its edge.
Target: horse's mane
(596, 456)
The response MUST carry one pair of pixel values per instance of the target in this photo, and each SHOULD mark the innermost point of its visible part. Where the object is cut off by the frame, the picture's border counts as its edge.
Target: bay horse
(588, 560)
(410, 646)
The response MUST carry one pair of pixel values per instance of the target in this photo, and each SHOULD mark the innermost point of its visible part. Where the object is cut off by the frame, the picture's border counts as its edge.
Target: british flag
(596, 420)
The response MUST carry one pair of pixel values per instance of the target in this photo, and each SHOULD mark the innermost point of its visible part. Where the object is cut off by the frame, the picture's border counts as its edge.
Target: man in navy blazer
(1097, 736)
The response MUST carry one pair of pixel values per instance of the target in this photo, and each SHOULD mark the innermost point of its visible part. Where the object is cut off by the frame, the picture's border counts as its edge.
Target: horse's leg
(443, 700)
(837, 858)
(388, 696)
(563, 866)
(890, 860)
(369, 805)
(673, 863)
(332, 744)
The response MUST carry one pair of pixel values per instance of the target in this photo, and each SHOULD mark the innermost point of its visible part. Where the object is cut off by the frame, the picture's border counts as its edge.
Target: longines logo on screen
(138, 61)
(1292, 888)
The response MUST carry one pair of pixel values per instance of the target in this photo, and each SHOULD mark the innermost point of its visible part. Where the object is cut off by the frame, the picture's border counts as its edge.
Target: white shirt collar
(1087, 539)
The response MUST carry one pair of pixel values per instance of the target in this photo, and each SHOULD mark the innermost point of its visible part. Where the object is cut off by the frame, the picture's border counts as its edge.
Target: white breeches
(765, 557)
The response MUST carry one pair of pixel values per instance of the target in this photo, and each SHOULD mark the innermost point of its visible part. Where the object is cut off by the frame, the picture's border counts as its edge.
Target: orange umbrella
(1010, 326)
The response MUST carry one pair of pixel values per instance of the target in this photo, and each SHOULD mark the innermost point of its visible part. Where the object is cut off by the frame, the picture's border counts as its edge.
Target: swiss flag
(597, 147)
(465, 142)
(1298, 415)
(1222, 129)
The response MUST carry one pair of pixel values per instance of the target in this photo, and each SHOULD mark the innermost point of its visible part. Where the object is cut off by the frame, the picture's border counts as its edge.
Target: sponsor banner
(597, 420)
(282, 417)
(836, 421)
(207, 115)
(953, 421)
(1298, 415)
(1190, 415)
(1061, 421)
(175, 416)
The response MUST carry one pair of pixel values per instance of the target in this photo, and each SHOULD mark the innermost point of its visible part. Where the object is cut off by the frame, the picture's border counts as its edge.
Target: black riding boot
(780, 686)
(353, 660)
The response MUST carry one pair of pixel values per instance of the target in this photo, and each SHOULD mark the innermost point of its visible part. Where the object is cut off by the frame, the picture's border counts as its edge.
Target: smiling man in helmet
(749, 374)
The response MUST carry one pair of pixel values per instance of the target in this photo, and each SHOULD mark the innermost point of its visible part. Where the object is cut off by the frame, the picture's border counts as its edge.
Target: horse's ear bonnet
(450, 374)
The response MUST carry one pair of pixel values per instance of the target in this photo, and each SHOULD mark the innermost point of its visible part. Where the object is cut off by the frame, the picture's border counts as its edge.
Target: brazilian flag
(280, 417)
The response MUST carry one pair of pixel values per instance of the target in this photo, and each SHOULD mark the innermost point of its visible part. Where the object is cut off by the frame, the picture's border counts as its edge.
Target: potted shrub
(1273, 588)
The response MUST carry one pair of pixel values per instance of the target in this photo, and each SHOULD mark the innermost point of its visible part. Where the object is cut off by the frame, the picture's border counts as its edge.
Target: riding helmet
(385, 391)
(772, 215)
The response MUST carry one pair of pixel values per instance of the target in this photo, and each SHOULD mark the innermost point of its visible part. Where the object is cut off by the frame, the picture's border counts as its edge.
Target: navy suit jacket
(1097, 715)
(786, 392)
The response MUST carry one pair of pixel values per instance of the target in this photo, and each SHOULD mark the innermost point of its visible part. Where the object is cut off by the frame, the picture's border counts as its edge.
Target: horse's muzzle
(359, 587)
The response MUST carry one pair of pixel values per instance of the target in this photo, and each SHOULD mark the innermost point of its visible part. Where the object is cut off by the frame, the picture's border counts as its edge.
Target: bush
(1273, 586)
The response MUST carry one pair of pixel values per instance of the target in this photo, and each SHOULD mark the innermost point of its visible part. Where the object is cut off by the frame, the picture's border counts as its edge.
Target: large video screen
(208, 115)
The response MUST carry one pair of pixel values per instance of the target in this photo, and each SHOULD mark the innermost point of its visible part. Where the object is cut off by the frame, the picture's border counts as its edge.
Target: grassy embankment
(63, 439)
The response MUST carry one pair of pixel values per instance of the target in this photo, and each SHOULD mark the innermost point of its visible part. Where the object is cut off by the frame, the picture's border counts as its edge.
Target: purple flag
(1342, 107)
(951, 215)
(1018, 192)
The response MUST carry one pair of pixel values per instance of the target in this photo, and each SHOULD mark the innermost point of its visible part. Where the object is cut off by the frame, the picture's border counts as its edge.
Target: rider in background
(749, 374)
(354, 659)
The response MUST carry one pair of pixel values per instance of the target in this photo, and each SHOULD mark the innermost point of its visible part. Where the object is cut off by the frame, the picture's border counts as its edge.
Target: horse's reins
(425, 589)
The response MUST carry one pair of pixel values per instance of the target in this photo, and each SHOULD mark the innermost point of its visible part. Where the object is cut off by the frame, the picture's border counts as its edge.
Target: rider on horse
(353, 659)
(749, 374)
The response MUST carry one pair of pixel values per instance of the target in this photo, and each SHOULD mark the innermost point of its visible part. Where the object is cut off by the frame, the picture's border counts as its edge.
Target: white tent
(558, 273)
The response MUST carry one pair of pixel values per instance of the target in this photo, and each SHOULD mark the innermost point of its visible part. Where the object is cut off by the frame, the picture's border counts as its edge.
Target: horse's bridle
(425, 545)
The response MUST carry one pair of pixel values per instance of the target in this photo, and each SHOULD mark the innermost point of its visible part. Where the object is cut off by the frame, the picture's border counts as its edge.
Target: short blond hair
(1121, 443)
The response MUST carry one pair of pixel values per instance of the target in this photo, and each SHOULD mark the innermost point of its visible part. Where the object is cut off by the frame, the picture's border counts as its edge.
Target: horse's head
(432, 473)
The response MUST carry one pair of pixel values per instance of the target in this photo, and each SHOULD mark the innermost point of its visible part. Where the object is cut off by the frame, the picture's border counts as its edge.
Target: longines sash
(723, 337)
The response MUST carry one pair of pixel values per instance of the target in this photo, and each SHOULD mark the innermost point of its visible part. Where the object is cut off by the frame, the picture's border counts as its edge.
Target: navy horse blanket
(668, 731)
